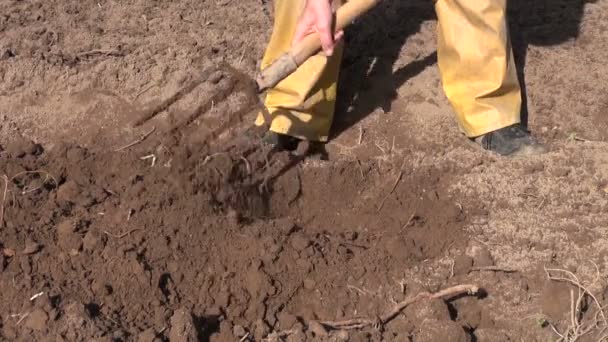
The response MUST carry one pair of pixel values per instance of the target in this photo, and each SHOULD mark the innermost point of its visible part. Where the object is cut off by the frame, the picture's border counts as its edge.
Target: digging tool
(277, 71)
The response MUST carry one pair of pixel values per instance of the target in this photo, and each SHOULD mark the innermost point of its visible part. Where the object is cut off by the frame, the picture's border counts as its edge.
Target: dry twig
(5, 180)
(138, 141)
(491, 269)
(397, 180)
(121, 235)
(359, 323)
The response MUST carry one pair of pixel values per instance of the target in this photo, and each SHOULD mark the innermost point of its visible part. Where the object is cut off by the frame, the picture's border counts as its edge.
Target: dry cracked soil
(181, 230)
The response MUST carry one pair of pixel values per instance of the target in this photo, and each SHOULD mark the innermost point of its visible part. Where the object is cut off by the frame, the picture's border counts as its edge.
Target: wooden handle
(310, 45)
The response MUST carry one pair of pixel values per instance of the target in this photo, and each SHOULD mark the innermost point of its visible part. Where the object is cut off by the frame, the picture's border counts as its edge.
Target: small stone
(37, 320)
(318, 329)
(299, 242)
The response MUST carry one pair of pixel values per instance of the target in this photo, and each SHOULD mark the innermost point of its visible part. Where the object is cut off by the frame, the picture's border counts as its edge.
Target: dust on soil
(173, 239)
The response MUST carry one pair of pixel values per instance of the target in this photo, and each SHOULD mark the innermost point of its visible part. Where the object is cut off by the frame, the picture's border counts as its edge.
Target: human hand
(318, 17)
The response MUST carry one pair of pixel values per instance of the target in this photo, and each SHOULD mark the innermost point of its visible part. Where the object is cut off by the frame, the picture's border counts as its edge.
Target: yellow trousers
(475, 60)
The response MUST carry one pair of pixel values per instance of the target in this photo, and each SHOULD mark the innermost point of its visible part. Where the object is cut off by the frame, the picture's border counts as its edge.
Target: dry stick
(100, 52)
(5, 179)
(123, 234)
(138, 141)
(359, 323)
(247, 164)
(144, 90)
(399, 176)
(491, 269)
(360, 135)
(409, 221)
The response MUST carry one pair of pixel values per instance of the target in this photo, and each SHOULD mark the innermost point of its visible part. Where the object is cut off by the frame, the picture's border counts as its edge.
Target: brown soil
(191, 235)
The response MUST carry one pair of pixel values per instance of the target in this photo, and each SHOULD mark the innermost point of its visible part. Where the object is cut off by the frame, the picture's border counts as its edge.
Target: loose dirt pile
(188, 244)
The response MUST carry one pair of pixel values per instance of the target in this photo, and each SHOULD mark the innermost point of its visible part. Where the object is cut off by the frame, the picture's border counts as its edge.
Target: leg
(303, 104)
(476, 63)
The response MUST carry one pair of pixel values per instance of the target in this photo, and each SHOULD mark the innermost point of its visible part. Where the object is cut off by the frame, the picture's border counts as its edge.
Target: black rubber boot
(510, 141)
(281, 142)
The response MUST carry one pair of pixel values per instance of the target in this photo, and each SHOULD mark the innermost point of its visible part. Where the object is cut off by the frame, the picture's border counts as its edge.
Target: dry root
(576, 327)
(359, 323)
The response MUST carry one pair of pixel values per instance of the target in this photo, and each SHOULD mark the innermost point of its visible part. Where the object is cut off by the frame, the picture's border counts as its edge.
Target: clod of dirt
(286, 320)
(446, 331)
(8, 252)
(491, 335)
(31, 247)
(260, 330)
(462, 264)
(342, 335)
(19, 148)
(404, 249)
(238, 331)
(233, 217)
(309, 284)
(93, 241)
(560, 172)
(147, 336)
(37, 320)
(299, 242)
(533, 167)
(317, 329)
(469, 312)
(481, 256)
(67, 238)
(68, 192)
(555, 300)
(429, 309)
(182, 327)
(298, 334)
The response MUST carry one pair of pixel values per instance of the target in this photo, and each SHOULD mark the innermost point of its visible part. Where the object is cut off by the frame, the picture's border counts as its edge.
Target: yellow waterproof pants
(474, 56)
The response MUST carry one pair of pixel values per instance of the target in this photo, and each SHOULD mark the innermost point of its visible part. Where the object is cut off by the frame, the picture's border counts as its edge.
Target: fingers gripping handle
(310, 45)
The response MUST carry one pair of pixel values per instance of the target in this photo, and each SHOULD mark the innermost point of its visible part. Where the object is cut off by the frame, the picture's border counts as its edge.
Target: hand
(318, 17)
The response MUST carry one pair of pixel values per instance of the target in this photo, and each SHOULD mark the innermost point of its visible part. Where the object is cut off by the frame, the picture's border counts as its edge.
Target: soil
(188, 228)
